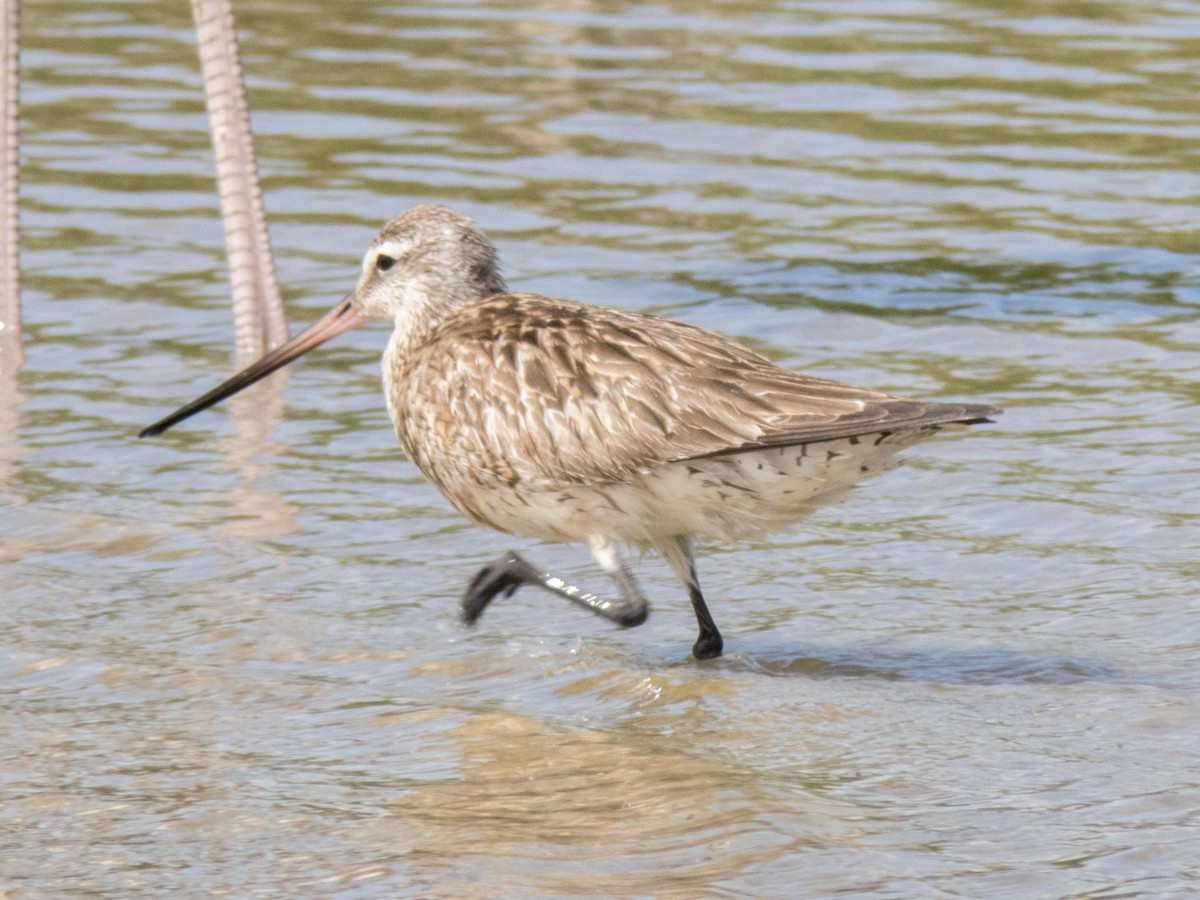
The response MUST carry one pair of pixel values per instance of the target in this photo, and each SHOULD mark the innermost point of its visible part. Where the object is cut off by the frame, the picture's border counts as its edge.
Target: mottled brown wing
(547, 389)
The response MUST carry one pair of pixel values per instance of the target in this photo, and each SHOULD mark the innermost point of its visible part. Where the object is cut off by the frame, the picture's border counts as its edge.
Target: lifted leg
(511, 572)
(679, 555)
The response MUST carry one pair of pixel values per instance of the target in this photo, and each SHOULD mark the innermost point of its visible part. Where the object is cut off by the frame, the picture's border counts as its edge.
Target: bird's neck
(423, 310)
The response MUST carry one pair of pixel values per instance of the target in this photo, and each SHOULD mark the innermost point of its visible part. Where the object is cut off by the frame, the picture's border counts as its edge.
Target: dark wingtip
(981, 415)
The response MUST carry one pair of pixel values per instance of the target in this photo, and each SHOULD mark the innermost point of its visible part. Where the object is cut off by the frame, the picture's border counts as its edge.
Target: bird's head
(425, 263)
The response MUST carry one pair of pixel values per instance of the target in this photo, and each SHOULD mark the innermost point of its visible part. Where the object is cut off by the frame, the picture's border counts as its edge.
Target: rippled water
(229, 658)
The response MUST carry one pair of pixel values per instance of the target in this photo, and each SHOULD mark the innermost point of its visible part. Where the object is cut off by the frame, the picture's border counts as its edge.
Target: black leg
(678, 554)
(509, 572)
(709, 644)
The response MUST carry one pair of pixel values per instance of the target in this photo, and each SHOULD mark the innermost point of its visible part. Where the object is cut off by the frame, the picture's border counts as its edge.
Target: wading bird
(557, 420)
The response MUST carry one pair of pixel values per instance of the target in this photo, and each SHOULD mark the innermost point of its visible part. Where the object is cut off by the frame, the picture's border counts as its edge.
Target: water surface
(229, 658)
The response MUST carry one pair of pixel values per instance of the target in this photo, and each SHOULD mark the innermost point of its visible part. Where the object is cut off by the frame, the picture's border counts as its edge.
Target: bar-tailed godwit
(557, 420)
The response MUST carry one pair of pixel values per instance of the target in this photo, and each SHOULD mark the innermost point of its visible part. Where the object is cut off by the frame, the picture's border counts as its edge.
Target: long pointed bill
(341, 318)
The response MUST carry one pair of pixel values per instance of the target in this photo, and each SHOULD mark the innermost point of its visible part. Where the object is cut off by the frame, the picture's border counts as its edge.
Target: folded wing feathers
(582, 394)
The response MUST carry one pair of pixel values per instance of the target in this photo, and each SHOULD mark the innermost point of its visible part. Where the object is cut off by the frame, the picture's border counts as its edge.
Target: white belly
(741, 495)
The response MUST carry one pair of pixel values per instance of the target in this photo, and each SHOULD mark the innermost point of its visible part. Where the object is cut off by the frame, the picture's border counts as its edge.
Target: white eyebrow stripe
(390, 248)
(394, 249)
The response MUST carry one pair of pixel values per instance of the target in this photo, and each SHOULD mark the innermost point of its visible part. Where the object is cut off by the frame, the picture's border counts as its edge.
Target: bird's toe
(503, 576)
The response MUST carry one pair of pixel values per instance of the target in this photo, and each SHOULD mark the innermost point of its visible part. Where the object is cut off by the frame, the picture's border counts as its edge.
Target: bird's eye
(384, 262)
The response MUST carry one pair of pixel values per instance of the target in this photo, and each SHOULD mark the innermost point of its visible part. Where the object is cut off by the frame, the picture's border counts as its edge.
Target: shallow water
(229, 657)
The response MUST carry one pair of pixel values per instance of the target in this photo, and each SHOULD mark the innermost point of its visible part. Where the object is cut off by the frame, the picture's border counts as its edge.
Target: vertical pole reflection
(10, 248)
(259, 322)
(258, 317)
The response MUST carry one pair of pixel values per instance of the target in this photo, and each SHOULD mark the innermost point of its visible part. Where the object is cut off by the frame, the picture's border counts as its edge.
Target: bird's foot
(629, 614)
(503, 576)
(708, 646)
